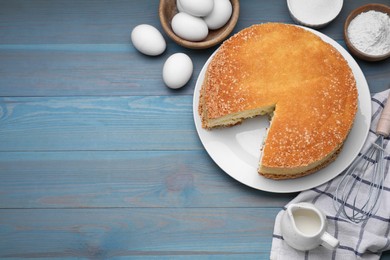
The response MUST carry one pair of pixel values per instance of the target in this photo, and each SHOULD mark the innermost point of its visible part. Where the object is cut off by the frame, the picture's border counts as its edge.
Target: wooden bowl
(361, 55)
(168, 9)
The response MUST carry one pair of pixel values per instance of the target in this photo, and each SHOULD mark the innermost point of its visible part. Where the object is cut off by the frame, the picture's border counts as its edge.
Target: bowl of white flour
(367, 32)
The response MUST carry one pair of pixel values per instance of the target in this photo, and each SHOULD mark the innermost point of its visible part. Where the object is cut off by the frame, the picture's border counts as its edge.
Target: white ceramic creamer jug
(303, 227)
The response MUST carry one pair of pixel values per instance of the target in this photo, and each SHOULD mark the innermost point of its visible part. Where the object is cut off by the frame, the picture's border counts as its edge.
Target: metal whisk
(358, 195)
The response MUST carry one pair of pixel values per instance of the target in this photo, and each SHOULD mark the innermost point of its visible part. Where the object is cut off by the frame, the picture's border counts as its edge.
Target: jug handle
(329, 241)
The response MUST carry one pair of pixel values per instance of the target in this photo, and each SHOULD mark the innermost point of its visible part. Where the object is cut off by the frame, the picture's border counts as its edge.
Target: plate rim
(363, 90)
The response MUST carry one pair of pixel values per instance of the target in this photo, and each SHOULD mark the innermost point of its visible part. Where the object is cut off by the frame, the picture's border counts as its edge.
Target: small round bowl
(365, 8)
(167, 11)
(314, 14)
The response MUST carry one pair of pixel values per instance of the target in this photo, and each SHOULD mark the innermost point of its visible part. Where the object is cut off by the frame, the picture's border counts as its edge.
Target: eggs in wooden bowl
(197, 26)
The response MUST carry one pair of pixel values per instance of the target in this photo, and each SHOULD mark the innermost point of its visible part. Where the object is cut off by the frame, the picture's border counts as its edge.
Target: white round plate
(236, 150)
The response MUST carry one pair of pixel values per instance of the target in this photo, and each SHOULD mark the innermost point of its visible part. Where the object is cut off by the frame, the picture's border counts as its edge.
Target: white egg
(177, 70)
(179, 7)
(148, 40)
(219, 15)
(189, 27)
(198, 8)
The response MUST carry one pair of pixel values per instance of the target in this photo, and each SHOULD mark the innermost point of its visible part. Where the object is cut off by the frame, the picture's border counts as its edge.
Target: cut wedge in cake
(289, 72)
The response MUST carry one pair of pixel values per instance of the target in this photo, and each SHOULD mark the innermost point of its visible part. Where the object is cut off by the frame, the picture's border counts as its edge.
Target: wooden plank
(50, 48)
(104, 70)
(61, 21)
(87, 70)
(98, 70)
(153, 233)
(123, 179)
(72, 21)
(103, 123)
(119, 232)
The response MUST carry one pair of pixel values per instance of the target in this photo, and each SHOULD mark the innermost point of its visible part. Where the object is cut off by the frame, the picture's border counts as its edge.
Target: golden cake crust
(290, 72)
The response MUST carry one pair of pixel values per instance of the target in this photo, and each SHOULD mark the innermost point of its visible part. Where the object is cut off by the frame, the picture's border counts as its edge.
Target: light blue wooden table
(98, 159)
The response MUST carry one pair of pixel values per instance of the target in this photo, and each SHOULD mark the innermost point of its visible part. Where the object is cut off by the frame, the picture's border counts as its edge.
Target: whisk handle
(383, 127)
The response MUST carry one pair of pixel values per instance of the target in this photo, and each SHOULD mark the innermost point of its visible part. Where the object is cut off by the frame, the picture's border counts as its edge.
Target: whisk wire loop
(357, 196)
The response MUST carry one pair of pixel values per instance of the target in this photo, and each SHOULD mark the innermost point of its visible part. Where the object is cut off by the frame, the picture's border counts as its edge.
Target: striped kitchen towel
(366, 240)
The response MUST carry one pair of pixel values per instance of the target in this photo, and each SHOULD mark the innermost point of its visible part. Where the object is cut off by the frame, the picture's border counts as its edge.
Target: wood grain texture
(73, 21)
(102, 22)
(155, 179)
(102, 123)
(92, 44)
(87, 70)
(113, 232)
(108, 70)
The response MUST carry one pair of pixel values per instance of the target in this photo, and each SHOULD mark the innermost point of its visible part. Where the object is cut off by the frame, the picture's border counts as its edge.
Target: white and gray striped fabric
(366, 240)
